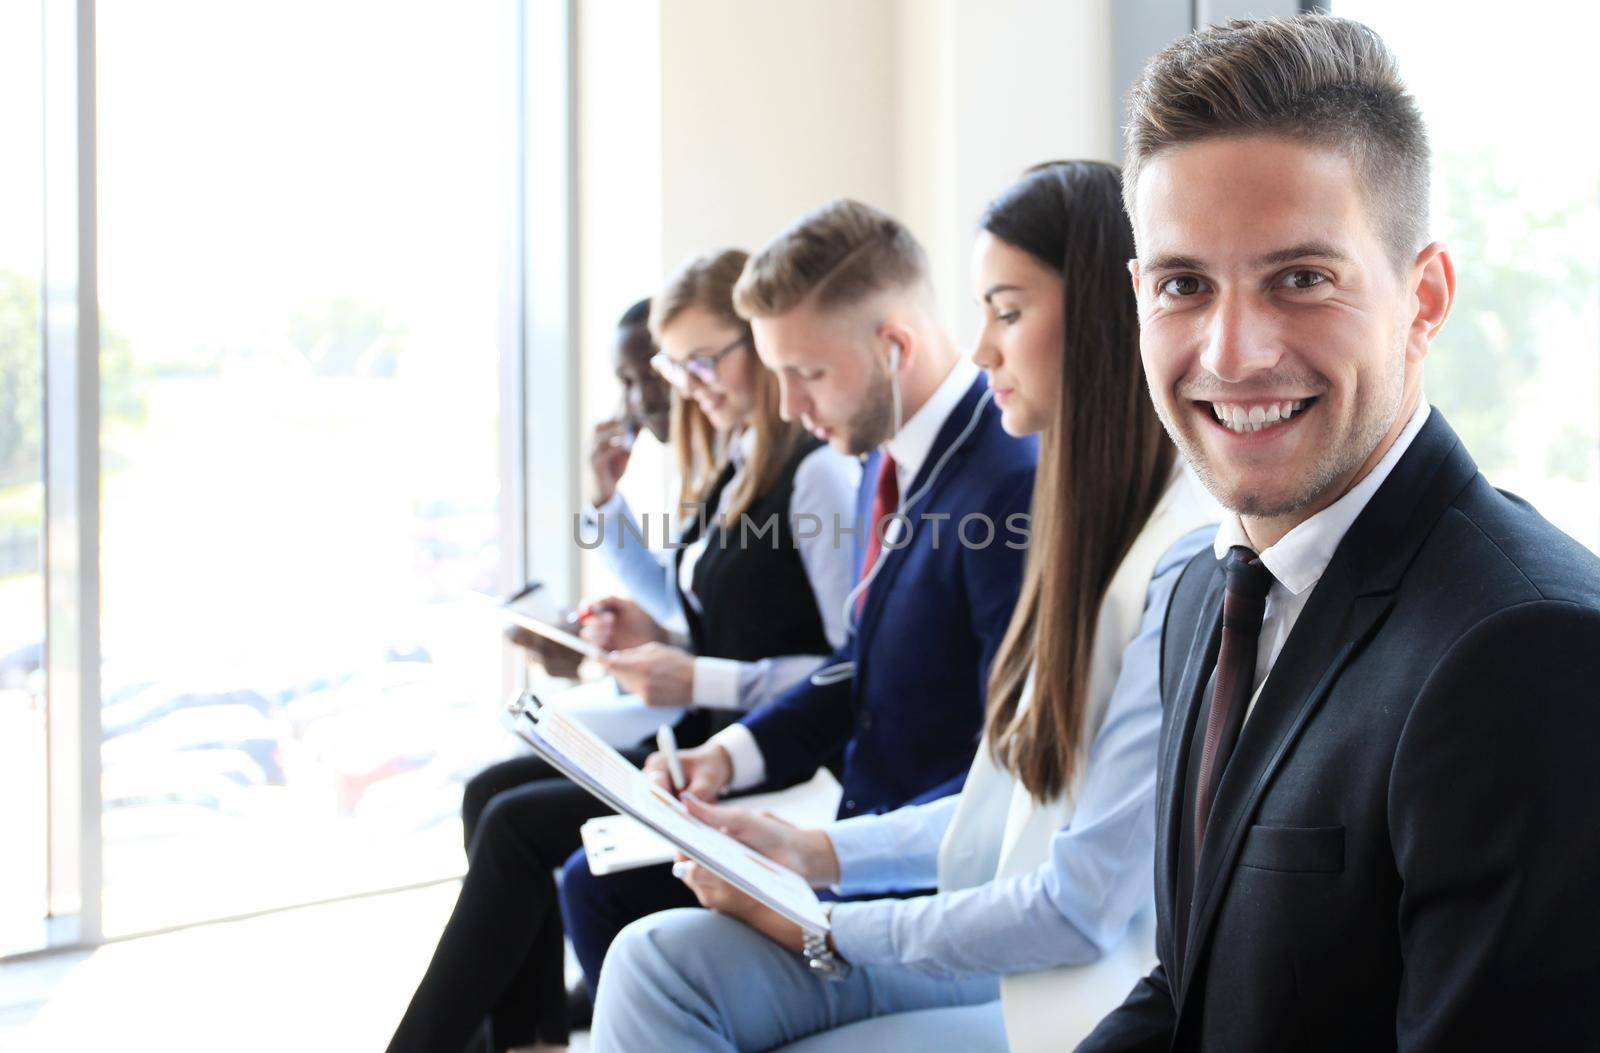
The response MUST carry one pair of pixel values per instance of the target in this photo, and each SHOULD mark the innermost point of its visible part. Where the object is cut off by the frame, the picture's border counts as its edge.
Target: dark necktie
(884, 503)
(1243, 606)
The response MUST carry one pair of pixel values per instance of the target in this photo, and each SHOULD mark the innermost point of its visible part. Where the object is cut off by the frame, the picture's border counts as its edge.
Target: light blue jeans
(693, 980)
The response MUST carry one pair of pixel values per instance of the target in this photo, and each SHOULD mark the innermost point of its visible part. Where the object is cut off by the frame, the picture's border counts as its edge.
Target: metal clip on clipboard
(587, 760)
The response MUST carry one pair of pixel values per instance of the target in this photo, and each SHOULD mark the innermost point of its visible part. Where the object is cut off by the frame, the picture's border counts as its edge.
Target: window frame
(538, 393)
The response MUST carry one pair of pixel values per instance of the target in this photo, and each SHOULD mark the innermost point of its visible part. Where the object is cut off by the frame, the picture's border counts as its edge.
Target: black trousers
(496, 978)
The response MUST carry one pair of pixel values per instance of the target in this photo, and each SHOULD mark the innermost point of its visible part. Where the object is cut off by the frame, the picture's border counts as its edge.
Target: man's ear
(1433, 291)
(901, 344)
(1133, 273)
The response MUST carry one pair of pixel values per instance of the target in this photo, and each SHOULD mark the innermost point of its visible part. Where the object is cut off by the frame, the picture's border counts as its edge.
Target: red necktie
(884, 504)
(1243, 607)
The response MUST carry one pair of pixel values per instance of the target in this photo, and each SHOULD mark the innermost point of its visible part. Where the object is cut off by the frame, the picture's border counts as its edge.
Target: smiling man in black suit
(1378, 811)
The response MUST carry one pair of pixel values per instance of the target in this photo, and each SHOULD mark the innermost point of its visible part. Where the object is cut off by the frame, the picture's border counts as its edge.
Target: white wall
(769, 109)
(989, 89)
(619, 218)
(710, 123)
(619, 176)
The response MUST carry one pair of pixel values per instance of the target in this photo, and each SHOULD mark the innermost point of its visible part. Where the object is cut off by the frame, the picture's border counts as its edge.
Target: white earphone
(894, 383)
(842, 671)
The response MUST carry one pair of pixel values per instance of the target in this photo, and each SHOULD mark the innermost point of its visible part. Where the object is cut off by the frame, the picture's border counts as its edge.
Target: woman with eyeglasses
(760, 579)
(742, 465)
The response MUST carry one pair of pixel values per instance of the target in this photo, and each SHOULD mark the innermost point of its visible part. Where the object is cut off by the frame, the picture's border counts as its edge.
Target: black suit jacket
(1404, 850)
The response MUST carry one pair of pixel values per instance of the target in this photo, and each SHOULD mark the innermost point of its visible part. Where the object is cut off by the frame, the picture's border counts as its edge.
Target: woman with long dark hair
(1043, 861)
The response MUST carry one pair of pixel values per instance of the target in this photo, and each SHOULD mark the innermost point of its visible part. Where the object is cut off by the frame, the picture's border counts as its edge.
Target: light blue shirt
(1075, 906)
(645, 572)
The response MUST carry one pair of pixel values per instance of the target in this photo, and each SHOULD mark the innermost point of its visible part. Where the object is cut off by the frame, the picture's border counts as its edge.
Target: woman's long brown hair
(707, 282)
(1104, 462)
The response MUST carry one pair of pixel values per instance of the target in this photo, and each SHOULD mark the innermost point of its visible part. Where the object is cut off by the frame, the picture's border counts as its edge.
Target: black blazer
(1404, 851)
(756, 599)
(755, 596)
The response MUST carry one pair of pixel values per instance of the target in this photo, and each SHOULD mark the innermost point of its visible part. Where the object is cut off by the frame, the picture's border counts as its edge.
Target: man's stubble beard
(872, 425)
(1335, 460)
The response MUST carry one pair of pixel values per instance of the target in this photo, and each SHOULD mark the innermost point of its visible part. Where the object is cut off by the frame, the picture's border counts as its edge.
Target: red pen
(587, 611)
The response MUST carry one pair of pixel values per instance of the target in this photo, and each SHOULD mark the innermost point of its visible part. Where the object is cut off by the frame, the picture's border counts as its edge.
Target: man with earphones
(842, 309)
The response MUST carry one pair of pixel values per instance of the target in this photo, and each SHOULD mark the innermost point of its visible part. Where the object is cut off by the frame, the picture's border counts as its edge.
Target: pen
(667, 743)
(584, 613)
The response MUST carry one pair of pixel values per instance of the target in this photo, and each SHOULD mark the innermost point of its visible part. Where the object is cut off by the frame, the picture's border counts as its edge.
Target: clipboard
(571, 641)
(577, 753)
(614, 843)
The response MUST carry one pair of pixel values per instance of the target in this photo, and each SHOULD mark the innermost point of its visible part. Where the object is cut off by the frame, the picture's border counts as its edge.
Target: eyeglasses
(702, 367)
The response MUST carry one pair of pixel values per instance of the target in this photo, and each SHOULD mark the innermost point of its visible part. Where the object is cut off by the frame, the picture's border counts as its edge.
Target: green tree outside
(122, 403)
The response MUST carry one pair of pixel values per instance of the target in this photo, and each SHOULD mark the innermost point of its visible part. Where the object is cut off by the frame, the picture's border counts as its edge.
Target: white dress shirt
(1299, 558)
(909, 447)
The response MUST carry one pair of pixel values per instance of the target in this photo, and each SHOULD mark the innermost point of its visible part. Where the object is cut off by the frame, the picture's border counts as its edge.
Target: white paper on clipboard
(614, 843)
(571, 641)
(577, 753)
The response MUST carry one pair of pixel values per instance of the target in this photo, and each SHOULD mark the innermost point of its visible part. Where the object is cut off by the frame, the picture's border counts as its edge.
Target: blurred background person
(763, 609)
(645, 406)
(843, 310)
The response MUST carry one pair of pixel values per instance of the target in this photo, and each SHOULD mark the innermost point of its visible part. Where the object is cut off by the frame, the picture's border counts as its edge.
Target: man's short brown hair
(835, 256)
(1323, 80)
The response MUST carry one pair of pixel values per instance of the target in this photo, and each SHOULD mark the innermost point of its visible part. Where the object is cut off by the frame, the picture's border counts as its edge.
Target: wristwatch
(819, 956)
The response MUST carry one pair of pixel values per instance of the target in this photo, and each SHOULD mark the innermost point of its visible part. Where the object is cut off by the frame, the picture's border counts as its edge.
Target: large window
(1517, 199)
(22, 604)
(303, 231)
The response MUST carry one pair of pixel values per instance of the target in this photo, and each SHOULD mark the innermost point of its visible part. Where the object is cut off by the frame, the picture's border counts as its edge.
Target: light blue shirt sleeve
(725, 683)
(892, 851)
(1078, 904)
(645, 573)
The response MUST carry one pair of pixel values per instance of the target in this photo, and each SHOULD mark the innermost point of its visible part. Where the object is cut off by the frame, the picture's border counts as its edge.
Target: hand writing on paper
(708, 768)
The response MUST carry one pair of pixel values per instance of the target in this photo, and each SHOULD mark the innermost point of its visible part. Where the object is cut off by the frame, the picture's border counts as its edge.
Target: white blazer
(999, 831)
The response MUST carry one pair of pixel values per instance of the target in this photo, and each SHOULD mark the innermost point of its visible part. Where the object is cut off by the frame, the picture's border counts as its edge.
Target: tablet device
(518, 610)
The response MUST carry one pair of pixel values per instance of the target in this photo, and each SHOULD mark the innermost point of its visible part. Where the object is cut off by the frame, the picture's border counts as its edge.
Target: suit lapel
(953, 425)
(1350, 603)
(1331, 628)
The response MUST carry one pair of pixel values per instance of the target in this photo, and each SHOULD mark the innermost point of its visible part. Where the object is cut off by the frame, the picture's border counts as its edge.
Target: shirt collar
(1300, 556)
(911, 445)
(742, 446)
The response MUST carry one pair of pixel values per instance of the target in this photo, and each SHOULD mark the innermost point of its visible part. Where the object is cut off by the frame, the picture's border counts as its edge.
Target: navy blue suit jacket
(910, 719)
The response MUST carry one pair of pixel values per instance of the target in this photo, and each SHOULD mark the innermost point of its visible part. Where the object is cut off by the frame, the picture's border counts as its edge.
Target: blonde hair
(836, 256)
(707, 282)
